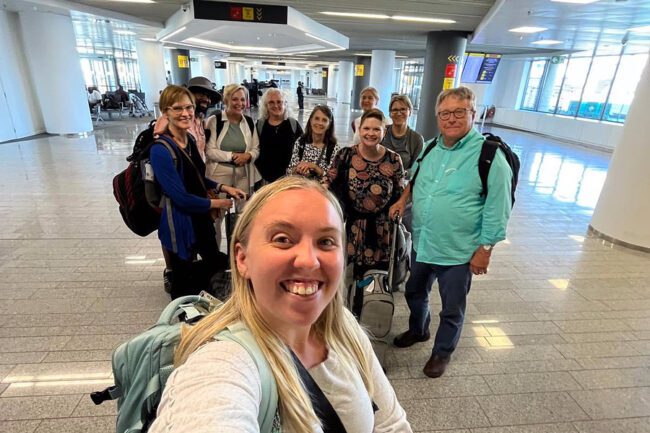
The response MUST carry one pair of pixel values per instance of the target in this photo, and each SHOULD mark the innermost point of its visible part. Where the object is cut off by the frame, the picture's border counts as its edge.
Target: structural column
(444, 51)
(324, 78)
(152, 70)
(55, 72)
(180, 66)
(346, 69)
(332, 81)
(361, 79)
(381, 76)
(623, 208)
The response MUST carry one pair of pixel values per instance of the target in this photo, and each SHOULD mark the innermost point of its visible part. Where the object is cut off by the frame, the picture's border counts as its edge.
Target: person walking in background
(301, 96)
(314, 152)
(277, 131)
(455, 227)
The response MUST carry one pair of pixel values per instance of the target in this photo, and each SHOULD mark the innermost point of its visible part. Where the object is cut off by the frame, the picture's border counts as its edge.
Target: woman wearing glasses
(399, 136)
(314, 152)
(233, 145)
(185, 225)
(367, 178)
(277, 131)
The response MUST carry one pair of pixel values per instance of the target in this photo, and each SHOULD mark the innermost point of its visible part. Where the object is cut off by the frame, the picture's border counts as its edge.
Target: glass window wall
(599, 87)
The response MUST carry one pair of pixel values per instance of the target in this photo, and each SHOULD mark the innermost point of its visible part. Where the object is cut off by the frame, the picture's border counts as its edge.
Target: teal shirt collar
(471, 135)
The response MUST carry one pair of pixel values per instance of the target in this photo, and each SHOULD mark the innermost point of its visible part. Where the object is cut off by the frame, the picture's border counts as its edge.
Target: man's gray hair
(461, 92)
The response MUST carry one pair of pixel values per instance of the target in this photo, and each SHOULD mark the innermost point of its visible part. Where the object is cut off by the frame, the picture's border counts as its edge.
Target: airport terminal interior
(557, 334)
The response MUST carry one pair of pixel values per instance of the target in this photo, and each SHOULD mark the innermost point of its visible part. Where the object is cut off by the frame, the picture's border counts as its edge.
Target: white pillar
(153, 76)
(381, 75)
(332, 81)
(55, 70)
(317, 79)
(346, 69)
(623, 208)
(220, 77)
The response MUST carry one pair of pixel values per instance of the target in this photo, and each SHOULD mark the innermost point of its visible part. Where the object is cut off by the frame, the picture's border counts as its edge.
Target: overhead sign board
(359, 70)
(183, 62)
(241, 12)
(488, 68)
(473, 62)
(220, 65)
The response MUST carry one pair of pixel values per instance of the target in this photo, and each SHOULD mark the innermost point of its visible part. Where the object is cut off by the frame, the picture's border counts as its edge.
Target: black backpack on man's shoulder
(488, 151)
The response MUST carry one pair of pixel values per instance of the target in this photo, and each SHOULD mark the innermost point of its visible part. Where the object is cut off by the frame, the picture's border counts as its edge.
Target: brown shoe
(408, 339)
(436, 366)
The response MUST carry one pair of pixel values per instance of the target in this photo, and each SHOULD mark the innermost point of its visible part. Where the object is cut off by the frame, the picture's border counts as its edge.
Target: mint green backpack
(142, 365)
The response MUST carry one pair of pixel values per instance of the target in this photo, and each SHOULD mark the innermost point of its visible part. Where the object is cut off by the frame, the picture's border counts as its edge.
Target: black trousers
(190, 277)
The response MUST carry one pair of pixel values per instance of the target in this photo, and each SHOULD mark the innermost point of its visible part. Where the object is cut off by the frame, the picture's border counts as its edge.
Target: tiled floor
(557, 337)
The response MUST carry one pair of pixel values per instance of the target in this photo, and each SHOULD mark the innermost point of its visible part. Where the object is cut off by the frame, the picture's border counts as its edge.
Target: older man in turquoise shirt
(455, 227)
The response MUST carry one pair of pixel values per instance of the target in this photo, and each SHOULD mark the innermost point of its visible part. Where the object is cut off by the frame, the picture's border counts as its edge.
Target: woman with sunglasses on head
(277, 131)
(233, 145)
(314, 152)
(367, 178)
(283, 354)
(186, 227)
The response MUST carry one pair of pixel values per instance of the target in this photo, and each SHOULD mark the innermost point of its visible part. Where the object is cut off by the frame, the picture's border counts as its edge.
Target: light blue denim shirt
(450, 218)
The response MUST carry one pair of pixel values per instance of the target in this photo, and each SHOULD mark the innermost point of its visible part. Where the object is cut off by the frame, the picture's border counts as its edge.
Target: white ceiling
(580, 27)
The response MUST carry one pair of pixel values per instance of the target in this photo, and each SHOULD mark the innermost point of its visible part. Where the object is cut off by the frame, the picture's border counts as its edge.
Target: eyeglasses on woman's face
(458, 113)
(178, 109)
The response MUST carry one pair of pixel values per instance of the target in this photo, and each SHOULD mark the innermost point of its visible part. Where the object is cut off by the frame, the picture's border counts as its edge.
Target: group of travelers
(316, 215)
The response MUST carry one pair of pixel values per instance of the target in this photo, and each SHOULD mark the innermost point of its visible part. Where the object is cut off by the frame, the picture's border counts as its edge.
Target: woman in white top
(233, 145)
(314, 152)
(287, 290)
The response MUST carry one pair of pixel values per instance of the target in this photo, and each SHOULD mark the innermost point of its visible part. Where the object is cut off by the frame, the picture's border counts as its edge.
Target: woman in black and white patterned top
(314, 152)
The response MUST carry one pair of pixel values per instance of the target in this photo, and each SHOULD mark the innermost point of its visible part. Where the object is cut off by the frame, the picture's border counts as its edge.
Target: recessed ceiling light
(124, 32)
(363, 54)
(527, 29)
(423, 19)
(357, 15)
(547, 42)
(580, 2)
(640, 29)
(149, 39)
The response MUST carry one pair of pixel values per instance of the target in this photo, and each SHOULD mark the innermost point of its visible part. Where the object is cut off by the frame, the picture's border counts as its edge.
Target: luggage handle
(169, 313)
(397, 219)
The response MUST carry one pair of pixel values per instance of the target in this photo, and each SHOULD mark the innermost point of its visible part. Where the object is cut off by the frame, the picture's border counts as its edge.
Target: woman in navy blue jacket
(186, 224)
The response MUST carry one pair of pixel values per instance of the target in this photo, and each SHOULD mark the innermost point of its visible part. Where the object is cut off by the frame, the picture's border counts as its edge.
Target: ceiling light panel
(220, 45)
(357, 15)
(422, 19)
(527, 29)
(547, 42)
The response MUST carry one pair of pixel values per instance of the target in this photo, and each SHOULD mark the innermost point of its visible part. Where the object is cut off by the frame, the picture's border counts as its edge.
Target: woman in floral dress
(367, 178)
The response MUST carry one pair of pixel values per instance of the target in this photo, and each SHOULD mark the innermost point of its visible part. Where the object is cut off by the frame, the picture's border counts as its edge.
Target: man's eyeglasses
(459, 113)
(179, 109)
(399, 110)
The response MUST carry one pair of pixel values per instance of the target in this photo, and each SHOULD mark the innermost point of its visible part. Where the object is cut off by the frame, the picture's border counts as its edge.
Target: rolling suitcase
(371, 300)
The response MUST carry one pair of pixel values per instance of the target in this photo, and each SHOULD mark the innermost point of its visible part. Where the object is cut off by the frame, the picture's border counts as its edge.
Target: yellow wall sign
(324, 74)
(359, 70)
(447, 83)
(248, 14)
(183, 62)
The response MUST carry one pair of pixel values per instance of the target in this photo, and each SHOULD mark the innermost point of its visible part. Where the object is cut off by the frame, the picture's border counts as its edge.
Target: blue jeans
(454, 283)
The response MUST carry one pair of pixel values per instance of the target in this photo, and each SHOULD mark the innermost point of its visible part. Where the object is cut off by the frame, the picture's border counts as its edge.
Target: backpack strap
(294, 125)
(260, 126)
(429, 145)
(488, 152)
(301, 149)
(239, 333)
(220, 122)
(251, 124)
